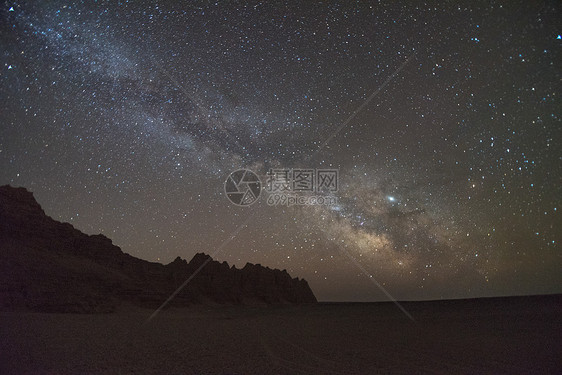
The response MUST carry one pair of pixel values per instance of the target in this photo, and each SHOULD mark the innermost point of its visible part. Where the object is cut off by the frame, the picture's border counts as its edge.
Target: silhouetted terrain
(50, 266)
(48, 270)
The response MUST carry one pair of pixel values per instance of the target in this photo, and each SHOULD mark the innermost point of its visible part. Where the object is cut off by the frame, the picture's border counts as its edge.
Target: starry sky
(125, 118)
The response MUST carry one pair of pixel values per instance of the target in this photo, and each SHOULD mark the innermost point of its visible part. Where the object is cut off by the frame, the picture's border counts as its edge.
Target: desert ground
(521, 335)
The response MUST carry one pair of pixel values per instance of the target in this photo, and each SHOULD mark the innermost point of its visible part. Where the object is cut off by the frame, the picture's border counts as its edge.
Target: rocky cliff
(46, 265)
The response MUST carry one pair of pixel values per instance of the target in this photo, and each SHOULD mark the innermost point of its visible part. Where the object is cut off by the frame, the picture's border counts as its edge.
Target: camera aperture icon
(242, 187)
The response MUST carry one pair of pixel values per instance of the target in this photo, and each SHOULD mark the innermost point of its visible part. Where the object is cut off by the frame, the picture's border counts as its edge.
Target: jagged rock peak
(19, 196)
(200, 258)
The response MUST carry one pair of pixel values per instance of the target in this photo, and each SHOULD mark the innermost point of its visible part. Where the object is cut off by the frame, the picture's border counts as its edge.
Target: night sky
(125, 118)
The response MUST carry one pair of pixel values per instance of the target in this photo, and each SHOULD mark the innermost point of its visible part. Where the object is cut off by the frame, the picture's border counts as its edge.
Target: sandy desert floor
(521, 335)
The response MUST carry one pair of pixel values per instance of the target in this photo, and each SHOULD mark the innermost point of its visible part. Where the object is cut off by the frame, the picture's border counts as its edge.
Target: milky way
(443, 122)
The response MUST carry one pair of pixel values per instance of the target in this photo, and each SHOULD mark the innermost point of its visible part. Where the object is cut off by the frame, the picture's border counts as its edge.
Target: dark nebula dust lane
(125, 118)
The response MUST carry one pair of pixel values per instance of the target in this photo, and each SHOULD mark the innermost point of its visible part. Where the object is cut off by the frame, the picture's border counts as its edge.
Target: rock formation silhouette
(46, 265)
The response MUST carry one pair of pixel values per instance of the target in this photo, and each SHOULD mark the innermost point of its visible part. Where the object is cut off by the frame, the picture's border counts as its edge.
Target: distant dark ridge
(46, 265)
(531, 305)
(521, 299)
(491, 299)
